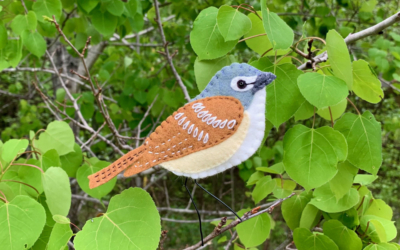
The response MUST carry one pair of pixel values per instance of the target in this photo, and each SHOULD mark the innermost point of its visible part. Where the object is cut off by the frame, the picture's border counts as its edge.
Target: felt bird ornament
(218, 129)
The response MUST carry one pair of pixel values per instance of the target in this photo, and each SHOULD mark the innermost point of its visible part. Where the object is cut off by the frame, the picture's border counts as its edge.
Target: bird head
(241, 81)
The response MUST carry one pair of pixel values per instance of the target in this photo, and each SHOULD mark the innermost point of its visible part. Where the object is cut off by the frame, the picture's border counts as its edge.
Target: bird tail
(106, 174)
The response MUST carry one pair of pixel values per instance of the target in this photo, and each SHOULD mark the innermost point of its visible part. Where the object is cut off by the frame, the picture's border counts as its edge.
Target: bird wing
(197, 126)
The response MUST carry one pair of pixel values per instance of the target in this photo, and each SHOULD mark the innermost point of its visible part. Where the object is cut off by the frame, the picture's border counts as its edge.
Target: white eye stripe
(247, 79)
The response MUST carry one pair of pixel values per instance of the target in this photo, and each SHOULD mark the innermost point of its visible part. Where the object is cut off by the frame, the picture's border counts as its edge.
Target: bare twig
(168, 56)
(233, 224)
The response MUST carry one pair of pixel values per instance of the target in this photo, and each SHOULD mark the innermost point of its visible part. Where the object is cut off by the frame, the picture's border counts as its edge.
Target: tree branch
(355, 37)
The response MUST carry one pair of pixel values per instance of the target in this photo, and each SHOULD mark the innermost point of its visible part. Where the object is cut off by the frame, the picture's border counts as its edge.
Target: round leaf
(263, 188)
(255, 231)
(337, 111)
(381, 246)
(306, 240)
(363, 135)
(379, 208)
(58, 136)
(365, 179)
(47, 8)
(105, 23)
(278, 32)
(232, 23)
(115, 7)
(60, 236)
(205, 38)
(131, 220)
(366, 85)
(339, 57)
(344, 238)
(61, 219)
(21, 23)
(310, 217)
(12, 148)
(21, 221)
(311, 155)
(321, 90)
(293, 207)
(325, 200)
(83, 181)
(57, 190)
(88, 5)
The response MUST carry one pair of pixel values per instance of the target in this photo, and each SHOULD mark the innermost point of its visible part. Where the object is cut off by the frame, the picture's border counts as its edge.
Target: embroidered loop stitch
(181, 120)
(206, 117)
(177, 116)
(186, 125)
(231, 124)
(195, 132)
(202, 113)
(222, 125)
(190, 129)
(211, 120)
(205, 140)
(216, 123)
(200, 135)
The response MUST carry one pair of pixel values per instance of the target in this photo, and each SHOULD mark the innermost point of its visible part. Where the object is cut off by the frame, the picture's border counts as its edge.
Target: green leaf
(379, 208)
(58, 191)
(105, 23)
(379, 229)
(293, 207)
(3, 36)
(131, 221)
(337, 111)
(283, 188)
(339, 57)
(131, 8)
(115, 7)
(205, 38)
(31, 176)
(363, 135)
(311, 155)
(259, 44)
(12, 148)
(343, 180)
(232, 24)
(255, 231)
(278, 32)
(254, 178)
(14, 52)
(83, 181)
(88, 5)
(281, 109)
(325, 200)
(34, 42)
(58, 136)
(306, 240)
(344, 238)
(365, 179)
(50, 159)
(381, 246)
(71, 161)
(206, 69)
(305, 111)
(41, 243)
(59, 236)
(47, 8)
(61, 219)
(263, 188)
(321, 90)
(366, 85)
(21, 23)
(310, 217)
(22, 221)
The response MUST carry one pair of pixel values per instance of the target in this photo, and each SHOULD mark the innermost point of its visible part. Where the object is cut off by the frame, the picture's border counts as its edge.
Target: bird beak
(263, 80)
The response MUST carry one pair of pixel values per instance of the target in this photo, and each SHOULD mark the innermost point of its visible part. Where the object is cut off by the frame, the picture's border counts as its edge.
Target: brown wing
(198, 125)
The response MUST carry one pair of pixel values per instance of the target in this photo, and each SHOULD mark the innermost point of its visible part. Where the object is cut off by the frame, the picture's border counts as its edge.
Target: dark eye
(241, 84)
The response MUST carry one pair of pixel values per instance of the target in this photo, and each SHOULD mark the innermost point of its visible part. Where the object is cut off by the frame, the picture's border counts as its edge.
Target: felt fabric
(252, 141)
(197, 126)
(221, 83)
(207, 159)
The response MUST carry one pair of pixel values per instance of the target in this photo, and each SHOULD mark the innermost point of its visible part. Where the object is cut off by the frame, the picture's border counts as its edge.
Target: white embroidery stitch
(206, 117)
(181, 120)
(156, 147)
(150, 152)
(177, 116)
(216, 123)
(154, 160)
(186, 125)
(211, 120)
(190, 129)
(196, 105)
(146, 163)
(195, 132)
(205, 140)
(200, 135)
(231, 124)
(222, 125)
(202, 113)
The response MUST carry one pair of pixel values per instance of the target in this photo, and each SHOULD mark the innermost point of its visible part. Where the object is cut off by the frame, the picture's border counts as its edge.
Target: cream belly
(236, 149)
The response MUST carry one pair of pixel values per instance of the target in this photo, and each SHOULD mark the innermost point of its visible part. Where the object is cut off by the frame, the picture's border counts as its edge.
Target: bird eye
(241, 84)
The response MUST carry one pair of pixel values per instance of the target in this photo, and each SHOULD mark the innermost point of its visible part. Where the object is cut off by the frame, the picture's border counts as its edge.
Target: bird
(218, 129)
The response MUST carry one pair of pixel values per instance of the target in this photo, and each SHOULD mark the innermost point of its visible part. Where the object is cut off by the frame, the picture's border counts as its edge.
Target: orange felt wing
(196, 126)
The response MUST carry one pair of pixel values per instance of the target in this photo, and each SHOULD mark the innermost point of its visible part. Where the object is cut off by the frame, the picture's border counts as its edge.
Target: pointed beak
(263, 80)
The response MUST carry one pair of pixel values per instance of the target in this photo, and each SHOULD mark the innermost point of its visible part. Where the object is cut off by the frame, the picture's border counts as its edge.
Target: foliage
(339, 155)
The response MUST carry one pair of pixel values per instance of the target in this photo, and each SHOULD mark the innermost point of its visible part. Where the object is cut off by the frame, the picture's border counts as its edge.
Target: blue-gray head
(241, 81)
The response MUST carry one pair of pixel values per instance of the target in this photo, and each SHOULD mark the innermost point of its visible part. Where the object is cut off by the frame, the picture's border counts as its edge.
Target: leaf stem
(358, 111)
(250, 37)
(330, 112)
(5, 198)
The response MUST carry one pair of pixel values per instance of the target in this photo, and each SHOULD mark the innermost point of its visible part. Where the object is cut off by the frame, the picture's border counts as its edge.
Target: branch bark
(355, 37)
